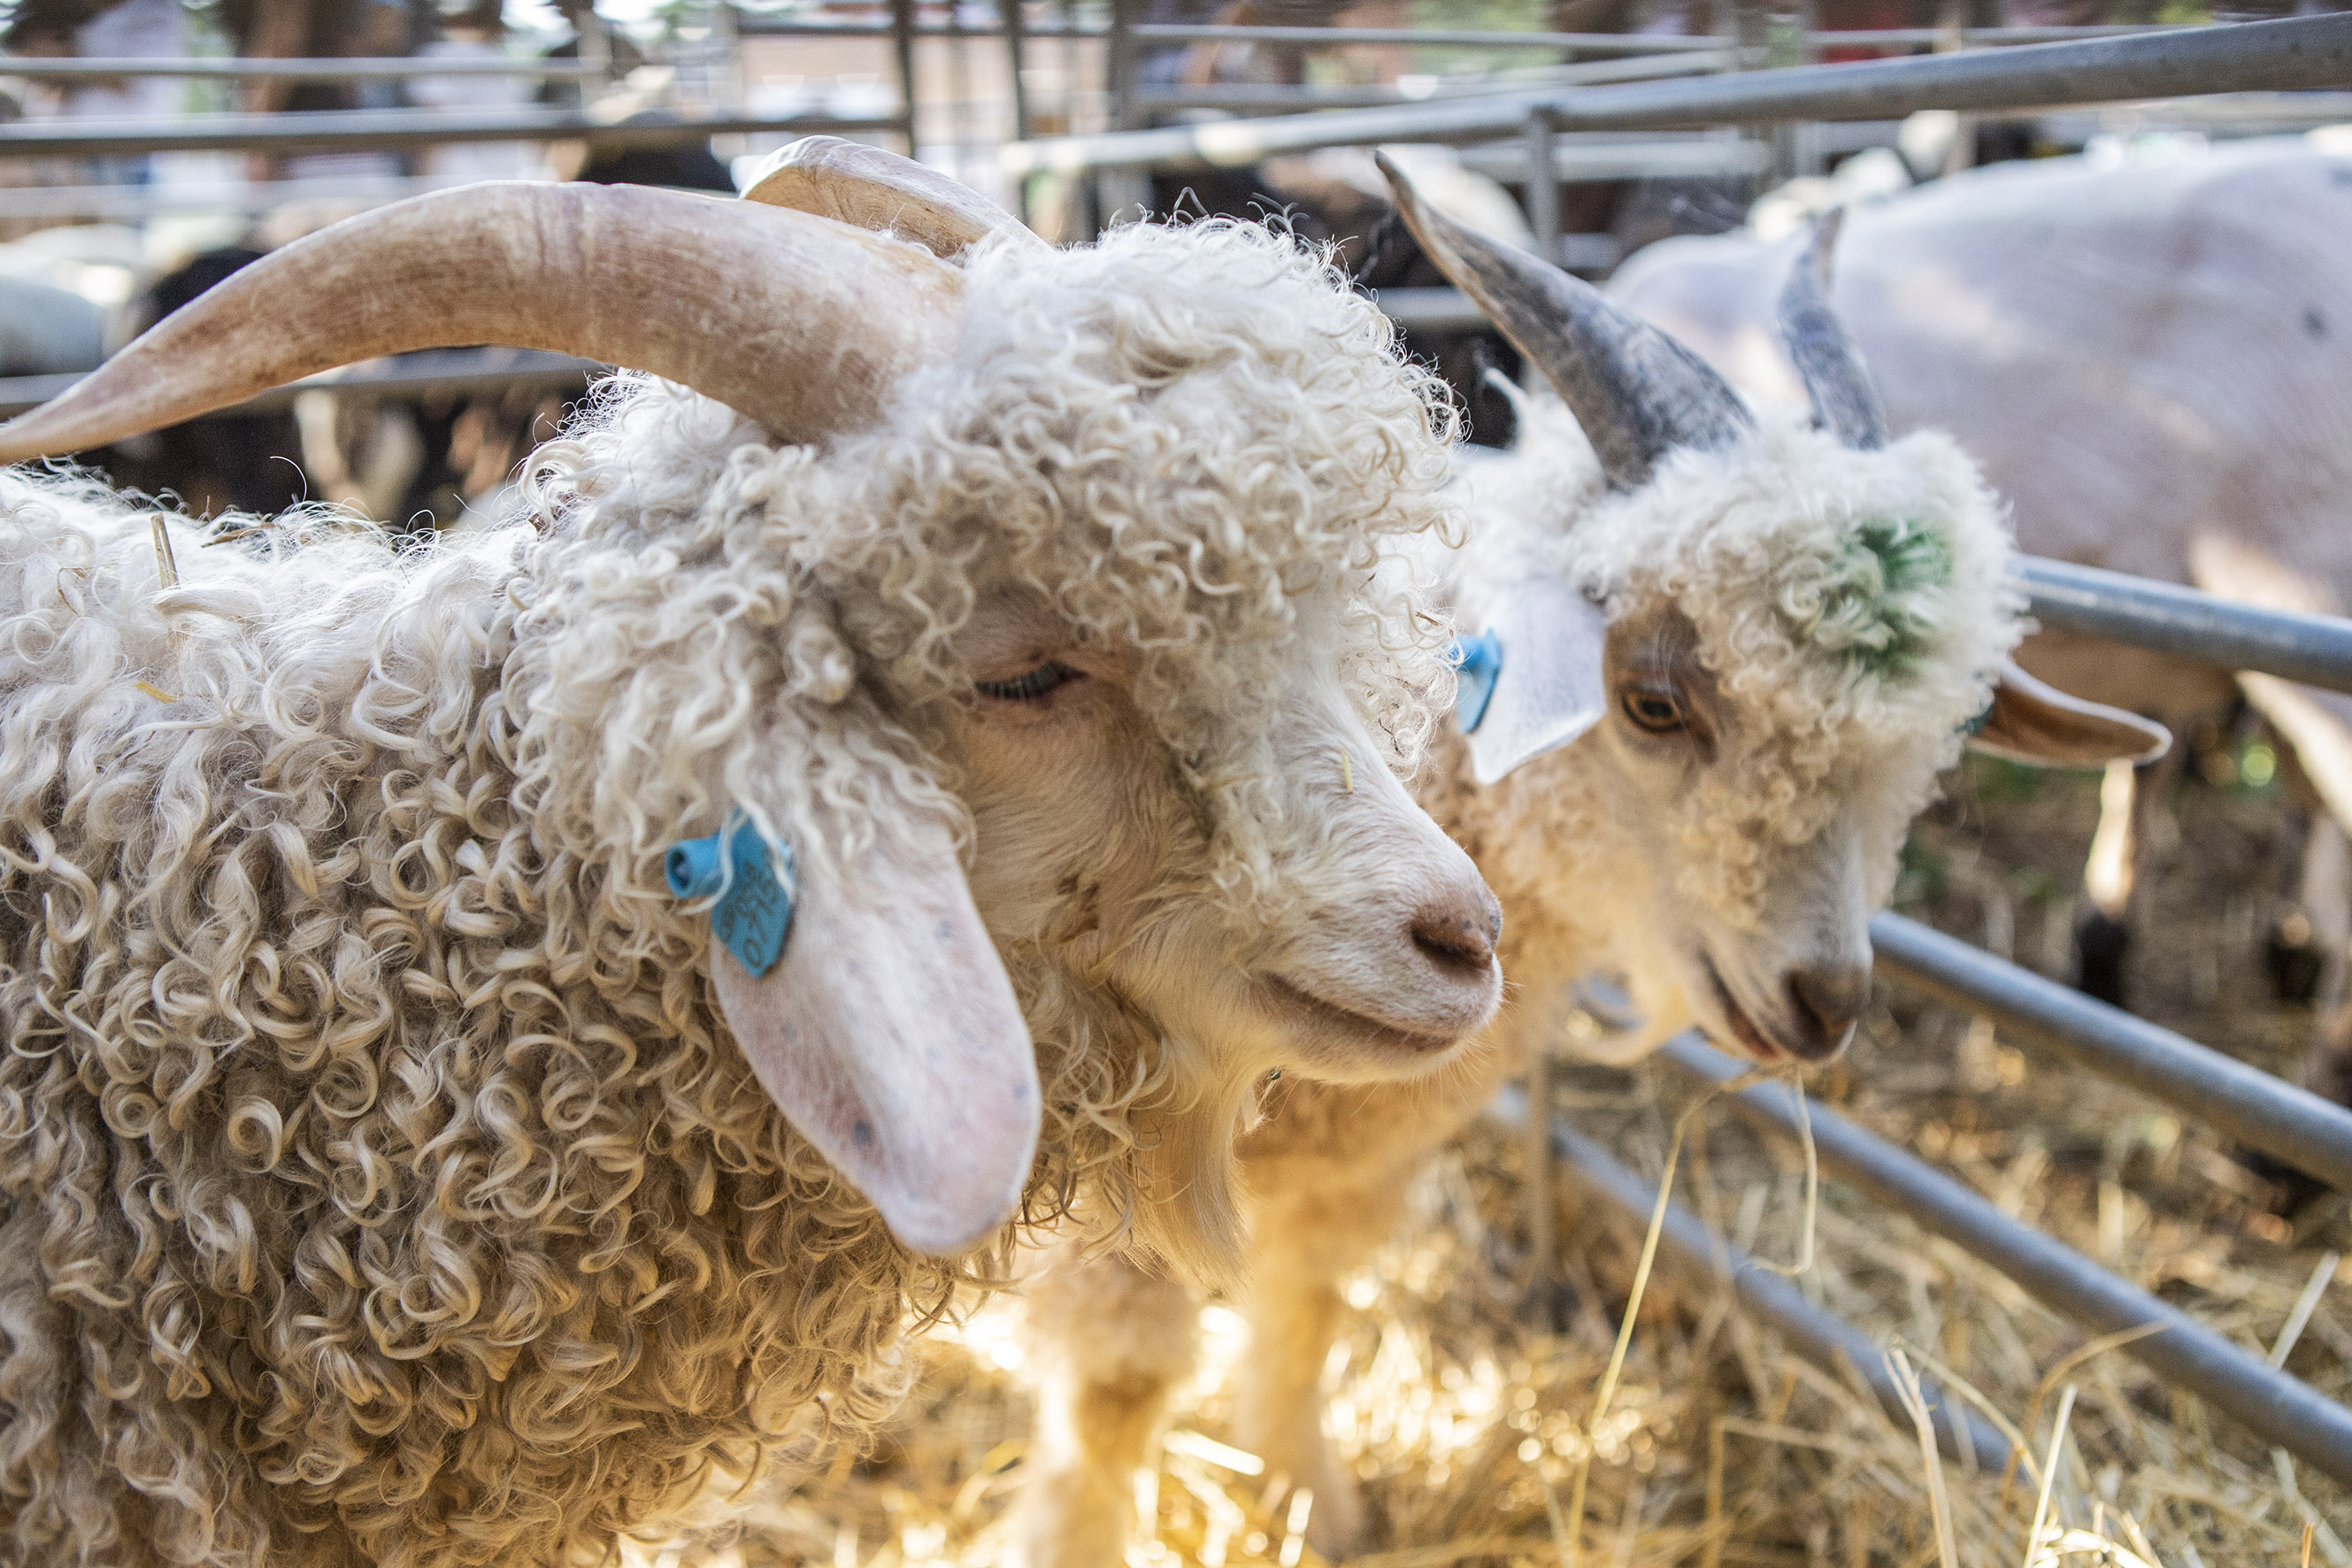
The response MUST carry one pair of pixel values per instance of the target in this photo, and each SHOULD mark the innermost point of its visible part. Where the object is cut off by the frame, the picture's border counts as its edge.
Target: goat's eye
(1030, 687)
(1659, 713)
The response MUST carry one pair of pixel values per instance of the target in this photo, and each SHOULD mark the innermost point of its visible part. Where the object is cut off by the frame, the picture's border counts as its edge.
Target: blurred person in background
(81, 29)
(478, 33)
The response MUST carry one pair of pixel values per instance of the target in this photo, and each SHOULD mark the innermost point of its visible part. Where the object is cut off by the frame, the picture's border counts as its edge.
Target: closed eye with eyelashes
(1030, 687)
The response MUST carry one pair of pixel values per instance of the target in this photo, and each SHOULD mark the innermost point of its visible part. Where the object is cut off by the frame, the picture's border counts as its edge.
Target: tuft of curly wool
(1855, 602)
(378, 1180)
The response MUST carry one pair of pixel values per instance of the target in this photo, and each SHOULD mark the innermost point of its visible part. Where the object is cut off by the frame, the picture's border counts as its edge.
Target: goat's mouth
(1313, 1020)
(1745, 1034)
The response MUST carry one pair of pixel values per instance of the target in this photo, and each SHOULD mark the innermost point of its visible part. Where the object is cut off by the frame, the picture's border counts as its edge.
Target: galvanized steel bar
(1689, 1249)
(93, 67)
(408, 377)
(346, 130)
(2280, 1410)
(1430, 309)
(1542, 197)
(1272, 96)
(2169, 619)
(1016, 36)
(902, 52)
(138, 202)
(1449, 37)
(1833, 37)
(2295, 53)
(1452, 38)
(2261, 1111)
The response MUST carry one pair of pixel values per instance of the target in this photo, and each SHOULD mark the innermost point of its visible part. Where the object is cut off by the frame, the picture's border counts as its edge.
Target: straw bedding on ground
(1722, 1449)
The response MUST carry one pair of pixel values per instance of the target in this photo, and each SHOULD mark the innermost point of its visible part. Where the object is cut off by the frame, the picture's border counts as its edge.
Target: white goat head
(1188, 455)
(1064, 558)
(1733, 657)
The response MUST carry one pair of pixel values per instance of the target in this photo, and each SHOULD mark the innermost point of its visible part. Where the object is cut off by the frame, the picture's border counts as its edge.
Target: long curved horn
(799, 323)
(868, 188)
(1637, 392)
(1844, 399)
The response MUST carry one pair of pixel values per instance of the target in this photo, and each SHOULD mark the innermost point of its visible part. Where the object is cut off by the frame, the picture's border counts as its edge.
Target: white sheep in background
(392, 1169)
(2149, 362)
(1734, 656)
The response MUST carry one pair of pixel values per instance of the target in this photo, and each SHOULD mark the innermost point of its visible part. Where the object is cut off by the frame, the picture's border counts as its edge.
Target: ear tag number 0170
(754, 884)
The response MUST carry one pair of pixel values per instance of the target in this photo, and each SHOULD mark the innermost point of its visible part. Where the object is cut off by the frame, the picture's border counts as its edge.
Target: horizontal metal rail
(2168, 618)
(2282, 1411)
(1997, 37)
(1605, 156)
(406, 378)
(752, 25)
(1431, 310)
(47, 68)
(1308, 37)
(2225, 112)
(136, 201)
(1688, 1248)
(335, 130)
(1435, 38)
(1270, 95)
(2310, 1133)
(2295, 53)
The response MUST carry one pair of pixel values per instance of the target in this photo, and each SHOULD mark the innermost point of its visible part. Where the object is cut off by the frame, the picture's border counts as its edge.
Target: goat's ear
(2036, 723)
(889, 1035)
(1550, 642)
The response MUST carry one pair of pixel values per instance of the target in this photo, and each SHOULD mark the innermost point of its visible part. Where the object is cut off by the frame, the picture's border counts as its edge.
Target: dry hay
(1720, 1447)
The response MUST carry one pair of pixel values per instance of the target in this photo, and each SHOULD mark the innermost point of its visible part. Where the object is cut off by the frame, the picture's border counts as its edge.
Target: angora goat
(2148, 360)
(1732, 659)
(392, 1168)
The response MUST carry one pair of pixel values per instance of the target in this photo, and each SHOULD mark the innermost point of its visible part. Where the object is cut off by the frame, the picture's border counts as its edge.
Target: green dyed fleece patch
(1879, 601)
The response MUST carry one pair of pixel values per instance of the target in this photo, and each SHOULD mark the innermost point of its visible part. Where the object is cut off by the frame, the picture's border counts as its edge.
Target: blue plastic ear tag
(1971, 728)
(754, 884)
(1477, 663)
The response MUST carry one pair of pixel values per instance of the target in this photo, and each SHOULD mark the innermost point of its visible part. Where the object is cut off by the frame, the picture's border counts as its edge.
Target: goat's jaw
(1758, 1016)
(1327, 1034)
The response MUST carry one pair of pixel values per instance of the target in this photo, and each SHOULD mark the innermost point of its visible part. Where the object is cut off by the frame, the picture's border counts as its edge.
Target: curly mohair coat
(378, 1180)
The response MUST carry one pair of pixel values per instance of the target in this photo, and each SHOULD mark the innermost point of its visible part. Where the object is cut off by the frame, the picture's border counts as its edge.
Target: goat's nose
(1458, 931)
(1826, 1003)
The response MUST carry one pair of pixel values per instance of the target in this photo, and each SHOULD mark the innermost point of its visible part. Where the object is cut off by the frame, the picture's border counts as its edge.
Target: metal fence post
(1543, 187)
(1016, 37)
(1121, 186)
(902, 47)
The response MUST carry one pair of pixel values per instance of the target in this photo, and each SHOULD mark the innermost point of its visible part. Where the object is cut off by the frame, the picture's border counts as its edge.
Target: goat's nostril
(1459, 934)
(1829, 1001)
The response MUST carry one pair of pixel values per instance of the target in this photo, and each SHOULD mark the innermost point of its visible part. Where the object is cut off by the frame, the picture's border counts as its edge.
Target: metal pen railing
(44, 67)
(431, 372)
(2165, 617)
(2259, 1111)
(342, 131)
(1272, 96)
(2283, 1411)
(2299, 52)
